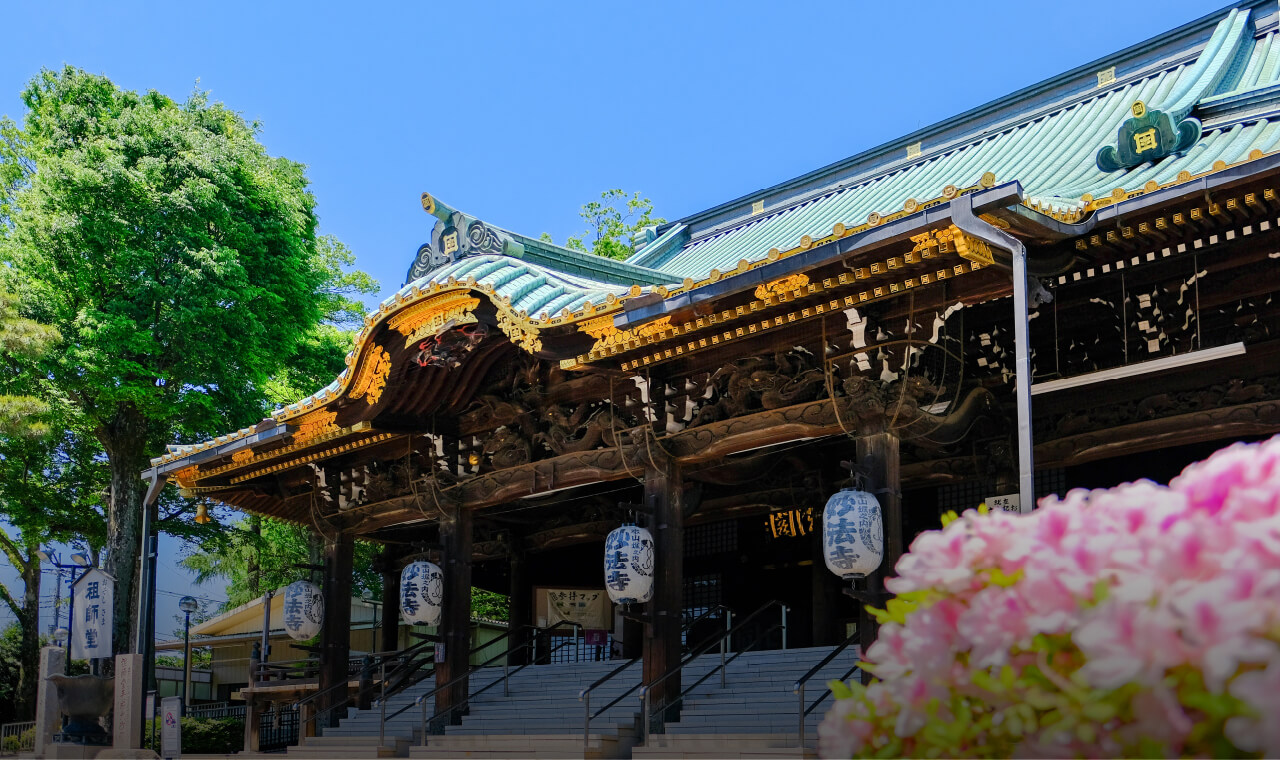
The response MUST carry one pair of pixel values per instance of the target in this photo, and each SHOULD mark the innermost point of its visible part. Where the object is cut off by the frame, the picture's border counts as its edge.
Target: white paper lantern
(628, 565)
(303, 610)
(421, 593)
(852, 534)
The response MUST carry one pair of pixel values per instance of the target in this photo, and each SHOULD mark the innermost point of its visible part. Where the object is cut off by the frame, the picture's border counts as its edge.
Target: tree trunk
(125, 440)
(30, 649)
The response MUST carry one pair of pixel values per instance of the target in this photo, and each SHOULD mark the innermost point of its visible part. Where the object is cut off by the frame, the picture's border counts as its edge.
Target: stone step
(722, 745)
(549, 746)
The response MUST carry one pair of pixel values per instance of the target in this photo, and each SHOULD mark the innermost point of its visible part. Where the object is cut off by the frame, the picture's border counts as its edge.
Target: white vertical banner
(92, 597)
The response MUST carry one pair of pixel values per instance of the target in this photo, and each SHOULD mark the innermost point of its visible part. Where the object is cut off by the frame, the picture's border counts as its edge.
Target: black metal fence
(279, 729)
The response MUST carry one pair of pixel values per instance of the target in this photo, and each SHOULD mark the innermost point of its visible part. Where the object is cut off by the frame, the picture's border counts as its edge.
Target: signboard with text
(92, 597)
(171, 727)
(1007, 503)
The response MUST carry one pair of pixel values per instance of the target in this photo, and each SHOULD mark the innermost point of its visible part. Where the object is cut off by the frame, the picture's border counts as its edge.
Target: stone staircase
(754, 717)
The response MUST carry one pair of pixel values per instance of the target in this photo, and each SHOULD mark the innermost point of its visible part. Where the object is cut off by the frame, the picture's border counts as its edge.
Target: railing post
(382, 702)
(800, 712)
(723, 645)
(506, 676)
(424, 721)
(586, 722)
(784, 627)
(644, 715)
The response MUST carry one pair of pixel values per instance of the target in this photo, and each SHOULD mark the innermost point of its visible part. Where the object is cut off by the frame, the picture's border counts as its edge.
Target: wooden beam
(455, 620)
(664, 492)
(335, 634)
(877, 456)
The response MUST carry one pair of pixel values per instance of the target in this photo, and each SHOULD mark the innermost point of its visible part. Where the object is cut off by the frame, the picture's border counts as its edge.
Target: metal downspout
(963, 217)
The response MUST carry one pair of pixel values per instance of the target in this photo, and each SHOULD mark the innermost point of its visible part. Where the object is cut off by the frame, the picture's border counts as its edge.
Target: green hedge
(210, 736)
(25, 740)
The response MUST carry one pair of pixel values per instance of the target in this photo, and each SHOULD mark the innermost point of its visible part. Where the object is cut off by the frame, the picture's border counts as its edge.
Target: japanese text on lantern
(617, 577)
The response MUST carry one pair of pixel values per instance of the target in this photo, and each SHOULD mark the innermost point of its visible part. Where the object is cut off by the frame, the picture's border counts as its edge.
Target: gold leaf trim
(782, 285)
(372, 379)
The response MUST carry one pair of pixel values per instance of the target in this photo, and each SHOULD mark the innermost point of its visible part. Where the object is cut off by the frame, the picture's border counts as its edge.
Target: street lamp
(60, 636)
(78, 561)
(188, 605)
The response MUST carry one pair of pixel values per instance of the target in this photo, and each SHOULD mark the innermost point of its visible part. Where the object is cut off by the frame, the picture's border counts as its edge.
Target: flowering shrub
(1141, 620)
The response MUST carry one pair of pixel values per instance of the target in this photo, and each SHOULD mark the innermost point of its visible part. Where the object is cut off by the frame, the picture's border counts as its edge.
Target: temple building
(858, 326)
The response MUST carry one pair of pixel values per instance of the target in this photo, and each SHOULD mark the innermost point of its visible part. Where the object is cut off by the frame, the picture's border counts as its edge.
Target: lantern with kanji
(421, 593)
(303, 610)
(852, 534)
(628, 565)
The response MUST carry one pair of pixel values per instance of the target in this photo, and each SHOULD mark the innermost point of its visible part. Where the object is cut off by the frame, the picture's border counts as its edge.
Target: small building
(233, 636)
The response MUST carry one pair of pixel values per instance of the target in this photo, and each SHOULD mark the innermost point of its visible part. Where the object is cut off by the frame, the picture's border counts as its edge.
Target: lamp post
(78, 561)
(188, 605)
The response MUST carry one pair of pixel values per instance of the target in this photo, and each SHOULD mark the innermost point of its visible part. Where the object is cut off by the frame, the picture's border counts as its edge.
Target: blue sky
(520, 112)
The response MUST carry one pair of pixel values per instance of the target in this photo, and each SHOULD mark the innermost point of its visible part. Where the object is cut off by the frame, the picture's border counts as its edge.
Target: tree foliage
(181, 265)
(611, 223)
(21, 339)
(261, 554)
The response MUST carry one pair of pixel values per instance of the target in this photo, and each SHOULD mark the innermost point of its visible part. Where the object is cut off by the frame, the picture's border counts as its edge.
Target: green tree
(178, 259)
(50, 491)
(261, 554)
(47, 487)
(611, 222)
(21, 339)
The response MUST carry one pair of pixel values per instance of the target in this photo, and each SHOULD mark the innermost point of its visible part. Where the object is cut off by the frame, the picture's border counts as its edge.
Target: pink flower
(1127, 643)
(995, 621)
(1260, 732)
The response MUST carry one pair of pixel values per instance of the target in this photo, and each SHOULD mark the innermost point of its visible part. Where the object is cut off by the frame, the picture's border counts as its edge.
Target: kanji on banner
(92, 597)
(589, 609)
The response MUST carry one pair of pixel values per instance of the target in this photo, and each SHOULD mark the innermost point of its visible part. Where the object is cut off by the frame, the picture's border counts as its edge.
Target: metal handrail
(648, 714)
(706, 647)
(584, 696)
(405, 661)
(506, 676)
(802, 711)
(383, 699)
(375, 658)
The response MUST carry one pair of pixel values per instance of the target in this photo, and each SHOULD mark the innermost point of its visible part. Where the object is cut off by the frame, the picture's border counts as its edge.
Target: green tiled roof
(532, 289)
(1051, 151)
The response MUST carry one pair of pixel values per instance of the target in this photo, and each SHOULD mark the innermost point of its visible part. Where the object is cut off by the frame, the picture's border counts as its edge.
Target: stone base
(108, 753)
(78, 751)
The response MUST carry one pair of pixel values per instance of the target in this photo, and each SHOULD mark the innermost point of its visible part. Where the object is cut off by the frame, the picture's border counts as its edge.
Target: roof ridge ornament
(1149, 135)
(456, 235)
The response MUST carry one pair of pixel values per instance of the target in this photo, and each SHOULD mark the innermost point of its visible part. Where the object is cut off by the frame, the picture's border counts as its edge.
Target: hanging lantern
(852, 534)
(202, 514)
(421, 593)
(628, 565)
(303, 610)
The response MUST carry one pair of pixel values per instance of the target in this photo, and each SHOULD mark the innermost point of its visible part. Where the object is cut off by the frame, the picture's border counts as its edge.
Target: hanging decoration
(303, 610)
(852, 534)
(421, 593)
(628, 565)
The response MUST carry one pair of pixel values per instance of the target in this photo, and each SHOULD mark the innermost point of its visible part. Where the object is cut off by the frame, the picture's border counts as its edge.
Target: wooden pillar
(663, 492)
(389, 625)
(520, 589)
(335, 635)
(878, 459)
(455, 618)
(252, 724)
